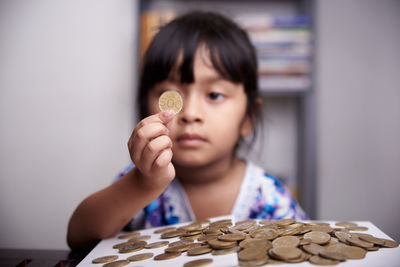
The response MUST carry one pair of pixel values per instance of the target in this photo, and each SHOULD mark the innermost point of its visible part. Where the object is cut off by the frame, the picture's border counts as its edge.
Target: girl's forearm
(107, 211)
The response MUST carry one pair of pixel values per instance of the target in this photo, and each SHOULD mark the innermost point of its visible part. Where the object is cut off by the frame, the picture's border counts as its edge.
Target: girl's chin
(189, 161)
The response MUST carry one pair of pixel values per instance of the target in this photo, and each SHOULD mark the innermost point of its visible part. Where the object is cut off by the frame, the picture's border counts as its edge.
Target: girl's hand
(150, 149)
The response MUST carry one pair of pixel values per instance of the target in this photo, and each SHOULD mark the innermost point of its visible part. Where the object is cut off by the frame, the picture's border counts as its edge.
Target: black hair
(231, 52)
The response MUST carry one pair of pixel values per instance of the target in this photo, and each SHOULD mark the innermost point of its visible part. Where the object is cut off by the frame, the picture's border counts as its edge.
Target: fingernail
(169, 113)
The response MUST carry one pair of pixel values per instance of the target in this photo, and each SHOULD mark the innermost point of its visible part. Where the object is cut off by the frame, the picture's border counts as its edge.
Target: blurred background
(329, 77)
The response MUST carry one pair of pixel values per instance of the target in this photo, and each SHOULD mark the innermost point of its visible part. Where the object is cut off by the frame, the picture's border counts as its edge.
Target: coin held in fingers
(170, 100)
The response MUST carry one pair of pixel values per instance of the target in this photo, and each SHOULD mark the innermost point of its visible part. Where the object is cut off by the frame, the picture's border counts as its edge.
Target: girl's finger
(153, 149)
(162, 117)
(143, 136)
(163, 159)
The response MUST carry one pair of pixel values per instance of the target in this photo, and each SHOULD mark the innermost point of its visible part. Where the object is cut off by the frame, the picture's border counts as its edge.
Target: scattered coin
(199, 262)
(170, 100)
(346, 224)
(139, 238)
(140, 257)
(129, 235)
(171, 234)
(313, 249)
(156, 244)
(180, 242)
(232, 237)
(286, 241)
(198, 250)
(354, 253)
(333, 255)
(218, 244)
(390, 243)
(105, 259)
(319, 238)
(322, 261)
(164, 230)
(225, 251)
(167, 256)
(256, 242)
(132, 247)
(249, 254)
(358, 242)
(119, 263)
(286, 253)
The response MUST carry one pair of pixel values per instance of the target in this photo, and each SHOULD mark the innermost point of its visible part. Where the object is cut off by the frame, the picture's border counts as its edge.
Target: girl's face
(213, 116)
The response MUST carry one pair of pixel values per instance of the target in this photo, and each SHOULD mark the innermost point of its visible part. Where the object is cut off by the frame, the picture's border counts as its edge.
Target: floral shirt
(261, 196)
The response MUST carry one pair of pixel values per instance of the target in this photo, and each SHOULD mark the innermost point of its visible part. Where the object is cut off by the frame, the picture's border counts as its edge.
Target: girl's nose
(191, 111)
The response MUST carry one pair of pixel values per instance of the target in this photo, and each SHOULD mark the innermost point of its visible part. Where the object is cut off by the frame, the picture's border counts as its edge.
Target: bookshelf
(282, 33)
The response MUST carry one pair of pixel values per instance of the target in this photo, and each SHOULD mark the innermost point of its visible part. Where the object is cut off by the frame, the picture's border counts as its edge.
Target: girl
(185, 167)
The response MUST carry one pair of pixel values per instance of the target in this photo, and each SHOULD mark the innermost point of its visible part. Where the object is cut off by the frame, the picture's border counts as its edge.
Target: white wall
(358, 88)
(66, 110)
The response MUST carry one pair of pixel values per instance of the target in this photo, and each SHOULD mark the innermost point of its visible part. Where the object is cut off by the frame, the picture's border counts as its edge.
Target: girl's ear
(248, 123)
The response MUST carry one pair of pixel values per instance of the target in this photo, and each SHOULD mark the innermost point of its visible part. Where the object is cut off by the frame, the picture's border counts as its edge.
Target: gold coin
(221, 223)
(140, 257)
(303, 257)
(305, 241)
(249, 254)
(389, 243)
(333, 255)
(354, 253)
(139, 238)
(128, 235)
(313, 249)
(358, 242)
(171, 234)
(218, 244)
(170, 100)
(255, 242)
(120, 245)
(286, 241)
(105, 259)
(180, 242)
(183, 247)
(258, 262)
(196, 226)
(346, 224)
(319, 238)
(357, 228)
(232, 237)
(225, 251)
(244, 225)
(191, 233)
(198, 250)
(119, 263)
(374, 248)
(283, 222)
(164, 230)
(267, 233)
(132, 247)
(167, 256)
(342, 236)
(156, 244)
(286, 253)
(199, 262)
(322, 261)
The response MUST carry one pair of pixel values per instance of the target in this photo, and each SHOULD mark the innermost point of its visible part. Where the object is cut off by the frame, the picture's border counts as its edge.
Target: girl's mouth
(190, 140)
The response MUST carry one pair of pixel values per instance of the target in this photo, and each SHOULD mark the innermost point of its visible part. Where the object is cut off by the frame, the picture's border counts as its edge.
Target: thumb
(166, 116)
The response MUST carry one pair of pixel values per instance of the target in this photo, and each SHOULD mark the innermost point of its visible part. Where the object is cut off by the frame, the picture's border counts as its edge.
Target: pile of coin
(256, 242)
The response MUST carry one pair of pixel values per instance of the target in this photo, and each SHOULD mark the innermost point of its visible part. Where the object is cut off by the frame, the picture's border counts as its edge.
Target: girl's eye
(215, 96)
